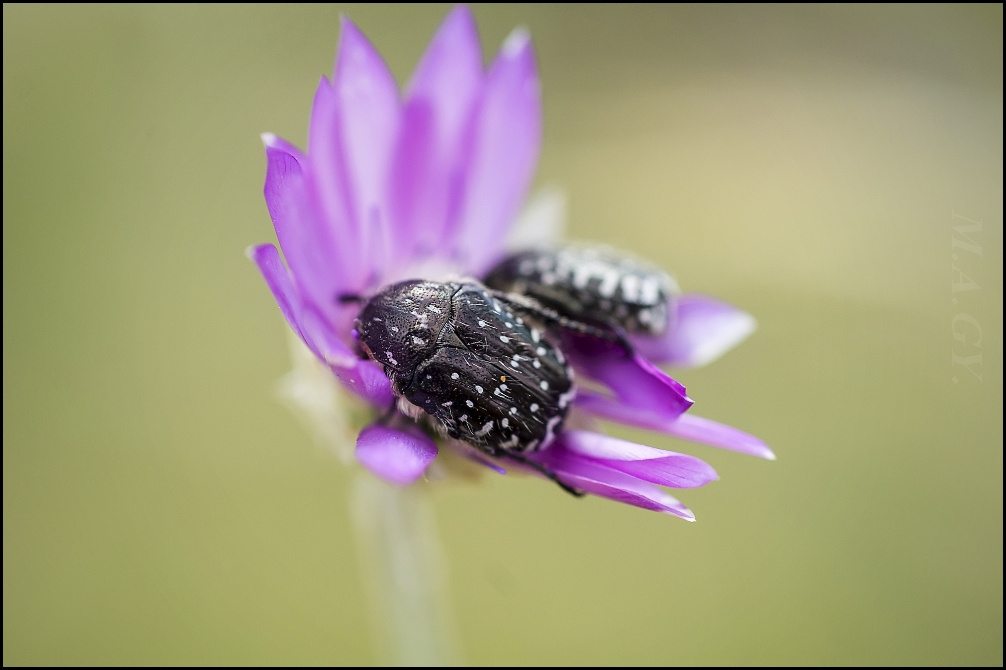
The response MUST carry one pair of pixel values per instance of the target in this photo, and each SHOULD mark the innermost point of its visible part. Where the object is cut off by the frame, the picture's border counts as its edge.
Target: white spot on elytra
(534, 407)
(469, 403)
(505, 422)
(540, 351)
(581, 276)
(504, 339)
(479, 389)
(513, 410)
(630, 288)
(508, 324)
(514, 364)
(535, 335)
(394, 329)
(454, 375)
(536, 363)
(649, 292)
(553, 423)
(484, 430)
(482, 324)
(391, 359)
(608, 284)
(434, 309)
(543, 385)
(418, 340)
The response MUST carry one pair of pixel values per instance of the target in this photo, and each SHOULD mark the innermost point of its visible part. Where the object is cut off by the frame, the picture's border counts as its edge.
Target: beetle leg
(523, 460)
(611, 333)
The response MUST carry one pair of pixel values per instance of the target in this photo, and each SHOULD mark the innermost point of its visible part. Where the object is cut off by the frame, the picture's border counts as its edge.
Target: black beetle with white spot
(464, 356)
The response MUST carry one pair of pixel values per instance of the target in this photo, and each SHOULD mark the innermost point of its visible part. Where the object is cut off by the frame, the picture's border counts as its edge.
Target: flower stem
(403, 568)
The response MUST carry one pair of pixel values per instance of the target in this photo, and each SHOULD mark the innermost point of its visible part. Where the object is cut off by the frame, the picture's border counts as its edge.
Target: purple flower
(427, 184)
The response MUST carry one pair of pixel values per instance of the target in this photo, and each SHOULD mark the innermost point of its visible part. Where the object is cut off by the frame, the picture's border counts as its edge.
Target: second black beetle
(596, 285)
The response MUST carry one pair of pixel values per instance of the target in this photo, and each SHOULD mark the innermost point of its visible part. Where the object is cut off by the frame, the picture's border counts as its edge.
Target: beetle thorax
(399, 326)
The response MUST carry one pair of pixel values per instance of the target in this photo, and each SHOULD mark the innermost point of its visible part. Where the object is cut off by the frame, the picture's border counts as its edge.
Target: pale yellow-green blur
(806, 163)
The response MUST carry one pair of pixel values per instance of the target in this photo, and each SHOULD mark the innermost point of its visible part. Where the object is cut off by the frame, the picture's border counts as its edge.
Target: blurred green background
(806, 163)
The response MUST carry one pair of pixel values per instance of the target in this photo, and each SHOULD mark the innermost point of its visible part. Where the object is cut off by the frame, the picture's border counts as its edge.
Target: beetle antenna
(344, 298)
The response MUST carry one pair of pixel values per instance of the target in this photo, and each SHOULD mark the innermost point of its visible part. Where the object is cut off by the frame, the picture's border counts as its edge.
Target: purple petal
(449, 75)
(656, 466)
(639, 386)
(277, 278)
(397, 456)
(438, 110)
(614, 409)
(369, 116)
(367, 380)
(364, 378)
(702, 330)
(505, 140)
(276, 142)
(705, 431)
(310, 327)
(685, 427)
(306, 241)
(419, 185)
(595, 478)
(329, 190)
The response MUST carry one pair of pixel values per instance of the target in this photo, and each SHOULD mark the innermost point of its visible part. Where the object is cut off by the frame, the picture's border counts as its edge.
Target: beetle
(594, 285)
(463, 357)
